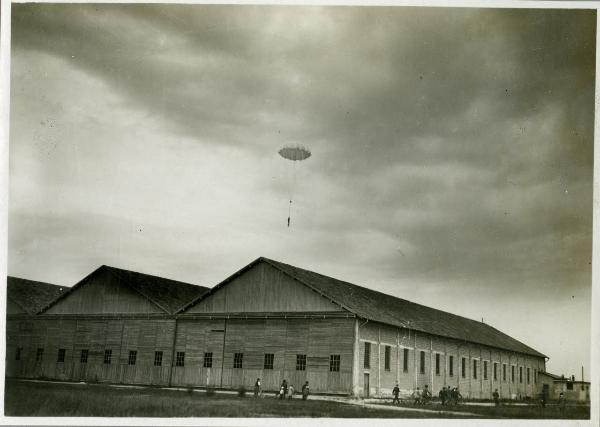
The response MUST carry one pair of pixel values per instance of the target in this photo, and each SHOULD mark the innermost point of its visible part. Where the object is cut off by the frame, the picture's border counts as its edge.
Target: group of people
(449, 395)
(285, 391)
(422, 397)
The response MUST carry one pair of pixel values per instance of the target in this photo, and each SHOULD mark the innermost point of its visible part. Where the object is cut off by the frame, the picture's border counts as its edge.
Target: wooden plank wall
(382, 381)
(96, 335)
(285, 338)
(101, 295)
(263, 289)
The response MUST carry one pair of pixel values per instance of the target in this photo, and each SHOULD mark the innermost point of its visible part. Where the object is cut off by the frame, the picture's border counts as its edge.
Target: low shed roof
(31, 295)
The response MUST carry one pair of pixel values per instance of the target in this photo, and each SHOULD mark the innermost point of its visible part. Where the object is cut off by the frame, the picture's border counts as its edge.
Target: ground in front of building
(25, 398)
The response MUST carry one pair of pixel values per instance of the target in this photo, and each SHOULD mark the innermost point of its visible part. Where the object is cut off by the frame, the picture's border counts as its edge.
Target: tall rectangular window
(388, 350)
(238, 360)
(512, 373)
(474, 368)
(485, 369)
(83, 357)
(504, 372)
(405, 361)
(422, 362)
(367, 361)
(463, 365)
(535, 376)
(18, 353)
(520, 374)
(495, 373)
(180, 358)
(158, 356)
(61, 355)
(334, 363)
(132, 357)
(208, 360)
(527, 375)
(107, 356)
(301, 362)
(451, 366)
(437, 363)
(269, 358)
(39, 356)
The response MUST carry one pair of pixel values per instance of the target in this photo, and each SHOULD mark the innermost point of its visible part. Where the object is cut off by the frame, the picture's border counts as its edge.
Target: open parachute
(294, 153)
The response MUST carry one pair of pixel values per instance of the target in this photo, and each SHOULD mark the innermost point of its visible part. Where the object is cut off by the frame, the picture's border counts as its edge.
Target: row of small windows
(387, 364)
(238, 359)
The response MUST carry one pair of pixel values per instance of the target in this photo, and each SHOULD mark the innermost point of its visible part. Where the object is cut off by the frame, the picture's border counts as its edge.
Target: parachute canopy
(294, 152)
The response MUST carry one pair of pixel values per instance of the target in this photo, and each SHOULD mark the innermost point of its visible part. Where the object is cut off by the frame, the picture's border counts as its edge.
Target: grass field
(52, 399)
(508, 410)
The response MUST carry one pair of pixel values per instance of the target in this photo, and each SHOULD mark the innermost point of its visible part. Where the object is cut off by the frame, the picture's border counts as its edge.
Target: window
(269, 357)
(39, 356)
(18, 353)
(132, 357)
(238, 360)
(301, 362)
(504, 372)
(422, 362)
(405, 362)
(520, 374)
(61, 356)
(535, 376)
(367, 361)
(387, 357)
(207, 361)
(451, 366)
(485, 369)
(512, 373)
(474, 368)
(495, 371)
(437, 363)
(569, 386)
(84, 356)
(180, 358)
(334, 363)
(107, 356)
(527, 375)
(463, 367)
(158, 355)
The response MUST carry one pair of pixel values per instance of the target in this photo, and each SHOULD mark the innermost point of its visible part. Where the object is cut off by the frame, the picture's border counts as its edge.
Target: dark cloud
(450, 145)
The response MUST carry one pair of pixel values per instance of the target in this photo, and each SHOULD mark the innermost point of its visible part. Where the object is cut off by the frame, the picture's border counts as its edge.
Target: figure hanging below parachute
(294, 153)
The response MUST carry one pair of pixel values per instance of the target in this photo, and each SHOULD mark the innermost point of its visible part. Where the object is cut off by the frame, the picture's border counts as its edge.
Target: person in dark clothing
(284, 385)
(305, 391)
(496, 397)
(396, 392)
(257, 387)
(442, 395)
(426, 394)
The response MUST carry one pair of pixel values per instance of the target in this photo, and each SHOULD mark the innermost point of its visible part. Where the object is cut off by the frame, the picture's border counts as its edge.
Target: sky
(452, 152)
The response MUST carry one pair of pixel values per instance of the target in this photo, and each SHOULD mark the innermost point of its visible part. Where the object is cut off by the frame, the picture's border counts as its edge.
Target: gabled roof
(169, 295)
(379, 307)
(31, 295)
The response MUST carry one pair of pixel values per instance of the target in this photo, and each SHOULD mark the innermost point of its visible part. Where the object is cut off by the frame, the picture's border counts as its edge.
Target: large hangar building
(271, 321)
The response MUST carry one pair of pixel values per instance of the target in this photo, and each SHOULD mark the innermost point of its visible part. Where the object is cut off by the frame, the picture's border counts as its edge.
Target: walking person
(496, 397)
(417, 396)
(305, 391)
(291, 391)
(285, 389)
(442, 395)
(426, 395)
(257, 387)
(561, 402)
(396, 392)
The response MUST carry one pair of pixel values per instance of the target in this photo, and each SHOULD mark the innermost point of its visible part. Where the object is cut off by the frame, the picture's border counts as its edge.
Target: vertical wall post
(398, 357)
(379, 361)
(356, 361)
(431, 364)
(415, 358)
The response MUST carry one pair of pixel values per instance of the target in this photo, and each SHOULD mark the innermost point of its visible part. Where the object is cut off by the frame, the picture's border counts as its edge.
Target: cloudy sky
(452, 152)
